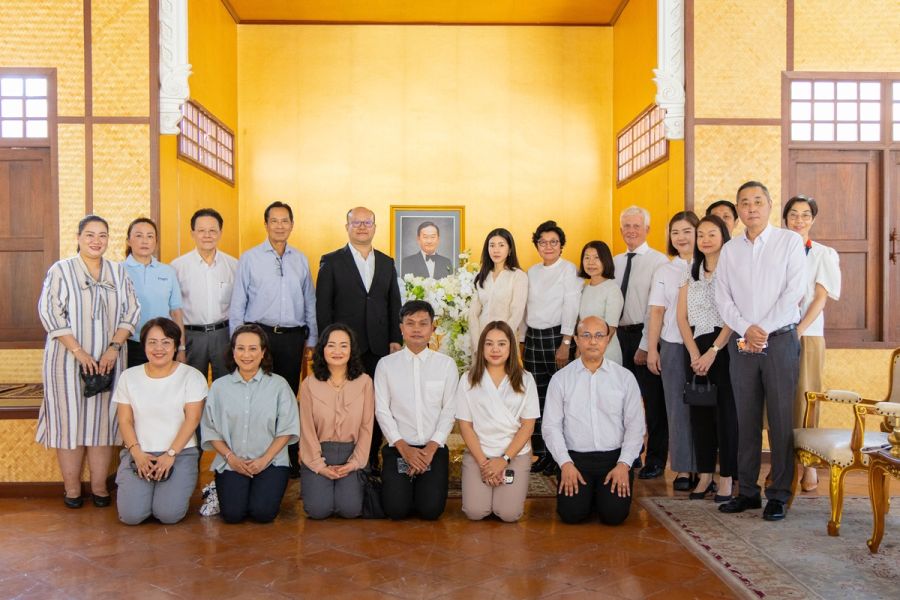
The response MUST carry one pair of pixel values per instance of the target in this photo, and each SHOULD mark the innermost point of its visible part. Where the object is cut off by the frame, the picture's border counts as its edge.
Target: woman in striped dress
(89, 308)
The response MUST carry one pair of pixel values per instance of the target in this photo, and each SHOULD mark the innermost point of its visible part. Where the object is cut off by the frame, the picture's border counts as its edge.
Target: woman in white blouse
(601, 296)
(823, 273)
(496, 407)
(665, 349)
(501, 286)
(159, 407)
(714, 428)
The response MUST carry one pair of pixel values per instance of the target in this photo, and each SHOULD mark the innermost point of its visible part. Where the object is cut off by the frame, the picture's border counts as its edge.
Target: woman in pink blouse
(337, 409)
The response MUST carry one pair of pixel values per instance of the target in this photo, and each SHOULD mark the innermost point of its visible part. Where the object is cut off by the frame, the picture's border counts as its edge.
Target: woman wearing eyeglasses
(823, 274)
(554, 294)
(159, 407)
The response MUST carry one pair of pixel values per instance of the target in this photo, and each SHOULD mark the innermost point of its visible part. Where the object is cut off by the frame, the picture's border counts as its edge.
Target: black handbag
(96, 383)
(371, 508)
(700, 394)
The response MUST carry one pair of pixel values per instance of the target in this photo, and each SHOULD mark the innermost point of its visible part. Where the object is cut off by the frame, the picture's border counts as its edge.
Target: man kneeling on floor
(594, 427)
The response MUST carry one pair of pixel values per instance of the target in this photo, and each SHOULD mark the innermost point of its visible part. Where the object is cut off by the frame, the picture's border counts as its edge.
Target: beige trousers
(812, 365)
(506, 501)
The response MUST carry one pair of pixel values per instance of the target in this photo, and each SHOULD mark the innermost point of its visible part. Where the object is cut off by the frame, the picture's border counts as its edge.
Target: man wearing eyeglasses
(274, 289)
(594, 427)
(357, 286)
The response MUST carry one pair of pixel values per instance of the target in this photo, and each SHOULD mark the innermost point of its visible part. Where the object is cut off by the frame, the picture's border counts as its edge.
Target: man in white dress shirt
(634, 272)
(594, 427)
(415, 405)
(206, 277)
(760, 282)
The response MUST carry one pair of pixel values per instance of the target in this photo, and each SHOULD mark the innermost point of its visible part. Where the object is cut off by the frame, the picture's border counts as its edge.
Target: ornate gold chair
(836, 449)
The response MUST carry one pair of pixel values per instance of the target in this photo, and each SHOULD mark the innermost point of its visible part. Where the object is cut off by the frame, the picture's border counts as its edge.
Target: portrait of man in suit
(427, 262)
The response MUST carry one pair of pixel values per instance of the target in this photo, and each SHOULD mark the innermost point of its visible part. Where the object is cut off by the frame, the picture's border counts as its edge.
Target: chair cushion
(843, 396)
(888, 409)
(833, 445)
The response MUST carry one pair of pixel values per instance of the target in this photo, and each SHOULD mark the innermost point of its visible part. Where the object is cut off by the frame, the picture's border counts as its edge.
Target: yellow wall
(661, 189)
(184, 187)
(511, 122)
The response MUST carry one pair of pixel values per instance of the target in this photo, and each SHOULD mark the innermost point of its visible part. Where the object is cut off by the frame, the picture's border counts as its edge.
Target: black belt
(278, 329)
(784, 329)
(635, 327)
(208, 328)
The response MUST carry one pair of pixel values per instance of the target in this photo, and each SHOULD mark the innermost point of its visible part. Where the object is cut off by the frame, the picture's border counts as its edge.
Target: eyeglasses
(550, 243)
(166, 343)
(587, 337)
(805, 216)
(367, 224)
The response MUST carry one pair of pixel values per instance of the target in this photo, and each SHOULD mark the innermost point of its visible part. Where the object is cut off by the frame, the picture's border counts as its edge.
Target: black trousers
(287, 359)
(424, 494)
(136, 354)
(370, 361)
(714, 428)
(594, 467)
(540, 360)
(258, 497)
(654, 399)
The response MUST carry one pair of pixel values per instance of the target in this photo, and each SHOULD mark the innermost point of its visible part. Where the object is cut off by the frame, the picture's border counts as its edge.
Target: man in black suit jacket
(428, 236)
(357, 286)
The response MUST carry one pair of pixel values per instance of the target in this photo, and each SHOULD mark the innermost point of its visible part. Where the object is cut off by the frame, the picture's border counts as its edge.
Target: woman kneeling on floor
(250, 418)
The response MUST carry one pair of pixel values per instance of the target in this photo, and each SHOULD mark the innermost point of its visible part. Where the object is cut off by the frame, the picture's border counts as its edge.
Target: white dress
(605, 301)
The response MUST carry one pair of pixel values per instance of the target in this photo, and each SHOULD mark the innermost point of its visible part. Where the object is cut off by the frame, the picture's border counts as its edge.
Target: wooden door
(847, 187)
(892, 234)
(28, 242)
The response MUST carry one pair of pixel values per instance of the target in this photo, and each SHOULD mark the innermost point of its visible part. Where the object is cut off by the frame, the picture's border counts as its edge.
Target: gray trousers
(208, 348)
(168, 500)
(768, 381)
(681, 442)
(323, 497)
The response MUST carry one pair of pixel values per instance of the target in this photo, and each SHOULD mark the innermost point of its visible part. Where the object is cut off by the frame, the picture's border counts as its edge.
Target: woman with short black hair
(601, 296)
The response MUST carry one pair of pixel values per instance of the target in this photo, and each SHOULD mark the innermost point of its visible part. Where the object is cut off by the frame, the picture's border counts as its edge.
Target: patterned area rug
(794, 558)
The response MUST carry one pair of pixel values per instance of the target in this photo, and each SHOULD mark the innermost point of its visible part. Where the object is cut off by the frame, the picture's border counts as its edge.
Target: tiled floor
(48, 551)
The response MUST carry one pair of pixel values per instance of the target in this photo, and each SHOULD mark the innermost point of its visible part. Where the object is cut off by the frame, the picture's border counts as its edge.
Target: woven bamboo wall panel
(71, 185)
(739, 53)
(121, 59)
(727, 156)
(33, 462)
(836, 35)
(863, 371)
(20, 366)
(121, 179)
(47, 33)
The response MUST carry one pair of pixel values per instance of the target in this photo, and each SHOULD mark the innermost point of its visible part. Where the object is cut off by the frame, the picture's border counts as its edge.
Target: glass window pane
(801, 90)
(869, 111)
(36, 129)
(869, 132)
(896, 111)
(11, 86)
(36, 87)
(846, 132)
(897, 132)
(823, 132)
(846, 111)
(800, 132)
(896, 86)
(824, 111)
(824, 90)
(846, 90)
(870, 90)
(11, 129)
(36, 108)
(801, 111)
(10, 108)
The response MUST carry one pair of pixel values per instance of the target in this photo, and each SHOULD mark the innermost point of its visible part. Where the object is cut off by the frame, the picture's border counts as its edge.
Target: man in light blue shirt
(274, 289)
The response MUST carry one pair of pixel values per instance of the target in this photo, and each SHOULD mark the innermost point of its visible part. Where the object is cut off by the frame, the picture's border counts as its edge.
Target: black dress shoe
(76, 502)
(682, 484)
(101, 501)
(739, 504)
(651, 472)
(551, 470)
(543, 461)
(774, 511)
(712, 487)
(637, 464)
(720, 499)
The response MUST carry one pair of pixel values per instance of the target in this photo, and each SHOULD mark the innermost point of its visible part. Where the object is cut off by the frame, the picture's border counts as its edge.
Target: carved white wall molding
(174, 69)
(669, 73)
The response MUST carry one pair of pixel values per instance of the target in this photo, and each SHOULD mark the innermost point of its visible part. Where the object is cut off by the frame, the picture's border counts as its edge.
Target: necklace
(335, 384)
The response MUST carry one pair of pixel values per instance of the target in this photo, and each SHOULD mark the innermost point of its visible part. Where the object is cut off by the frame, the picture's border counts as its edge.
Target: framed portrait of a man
(426, 240)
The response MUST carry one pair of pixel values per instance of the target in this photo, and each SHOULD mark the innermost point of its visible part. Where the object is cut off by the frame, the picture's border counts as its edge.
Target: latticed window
(642, 144)
(206, 142)
(23, 107)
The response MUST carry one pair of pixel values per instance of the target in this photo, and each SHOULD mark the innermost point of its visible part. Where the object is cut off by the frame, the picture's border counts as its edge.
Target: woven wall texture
(120, 32)
(835, 35)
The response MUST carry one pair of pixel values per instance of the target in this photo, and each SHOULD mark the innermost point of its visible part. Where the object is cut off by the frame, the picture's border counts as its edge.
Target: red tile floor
(48, 551)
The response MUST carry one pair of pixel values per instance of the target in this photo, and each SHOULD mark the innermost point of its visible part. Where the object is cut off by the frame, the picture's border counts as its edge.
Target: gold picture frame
(412, 237)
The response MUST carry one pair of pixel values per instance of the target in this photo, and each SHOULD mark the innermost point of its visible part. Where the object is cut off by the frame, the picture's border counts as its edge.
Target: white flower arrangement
(450, 297)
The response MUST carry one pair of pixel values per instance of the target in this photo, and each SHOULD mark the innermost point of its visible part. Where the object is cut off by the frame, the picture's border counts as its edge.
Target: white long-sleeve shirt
(643, 266)
(761, 282)
(415, 396)
(554, 295)
(593, 412)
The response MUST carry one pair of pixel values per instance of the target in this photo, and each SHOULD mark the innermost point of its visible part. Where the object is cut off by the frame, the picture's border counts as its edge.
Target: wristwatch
(115, 345)
(567, 342)
(182, 348)
(507, 458)
(171, 452)
(715, 348)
